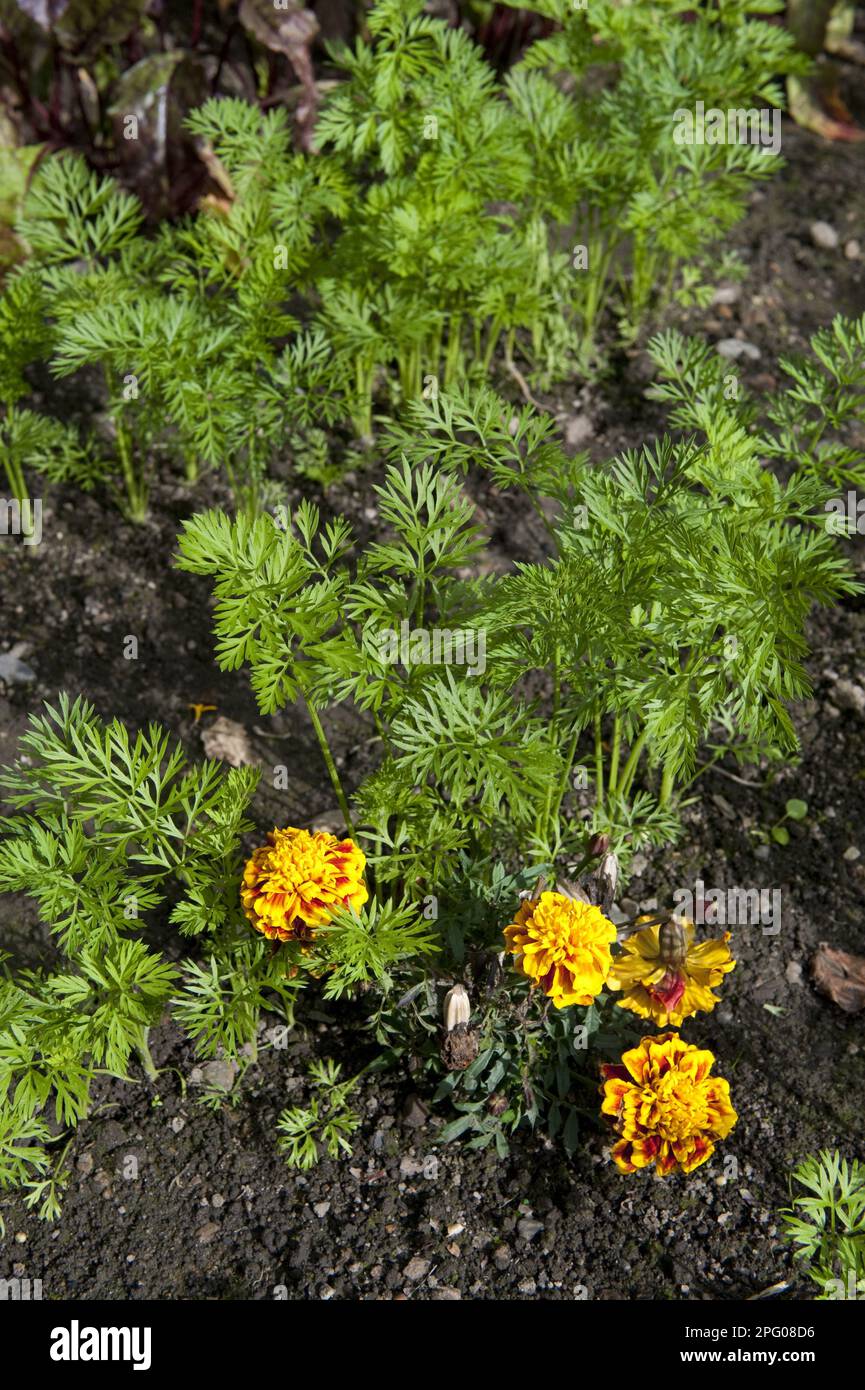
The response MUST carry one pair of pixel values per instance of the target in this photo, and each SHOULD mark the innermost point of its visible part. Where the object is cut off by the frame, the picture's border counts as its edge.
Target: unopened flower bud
(672, 942)
(599, 844)
(457, 1008)
(608, 878)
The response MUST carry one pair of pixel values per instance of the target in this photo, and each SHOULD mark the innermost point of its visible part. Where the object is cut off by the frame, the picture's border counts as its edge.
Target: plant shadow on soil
(169, 1200)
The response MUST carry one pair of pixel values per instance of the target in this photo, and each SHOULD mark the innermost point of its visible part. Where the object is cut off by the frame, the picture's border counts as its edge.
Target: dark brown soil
(207, 1209)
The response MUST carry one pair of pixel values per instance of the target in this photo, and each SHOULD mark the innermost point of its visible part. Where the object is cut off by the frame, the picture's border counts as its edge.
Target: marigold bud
(672, 942)
(599, 844)
(608, 878)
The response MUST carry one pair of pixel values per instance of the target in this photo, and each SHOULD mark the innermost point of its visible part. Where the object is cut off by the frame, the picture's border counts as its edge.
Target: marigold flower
(664, 976)
(665, 1105)
(563, 946)
(298, 880)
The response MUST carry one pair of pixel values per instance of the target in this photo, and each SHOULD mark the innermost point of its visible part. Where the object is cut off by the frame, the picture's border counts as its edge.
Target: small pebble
(852, 853)
(529, 1227)
(220, 1074)
(13, 670)
(416, 1268)
(411, 1167)
(850, 696)
(578, 431)
(823, 234)
(852, 249)
(414, 1112)
(737, 347)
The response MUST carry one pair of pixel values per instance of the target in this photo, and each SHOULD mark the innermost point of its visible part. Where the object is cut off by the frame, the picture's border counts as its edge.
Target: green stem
(614, 754)
(435, 350)
(453, 355)
(145, 1057)
(596, 289)
(135, 489)
(421, 597)
(553, 726)
(362, 418)
(409, 372)
(630, 767)
(667, 781)
(329, 763)
(492, 340)
(15, 475)
(14, 471)
(563, 787)
(716, 757)
(599, 762)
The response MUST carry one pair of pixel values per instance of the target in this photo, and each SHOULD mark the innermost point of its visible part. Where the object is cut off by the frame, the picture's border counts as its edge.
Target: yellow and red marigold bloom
(665, 976)
(563, 946)
(666, 1106)
(297, 881)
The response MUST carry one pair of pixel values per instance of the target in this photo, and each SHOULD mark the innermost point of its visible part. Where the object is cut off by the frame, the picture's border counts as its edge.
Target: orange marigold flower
(665, 976)
(298, 880)
(666, 1106)
(563, 946)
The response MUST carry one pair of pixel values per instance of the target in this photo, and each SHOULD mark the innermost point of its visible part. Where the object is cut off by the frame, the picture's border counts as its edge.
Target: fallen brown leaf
(840, 976)
(290, 30)
(228, 742)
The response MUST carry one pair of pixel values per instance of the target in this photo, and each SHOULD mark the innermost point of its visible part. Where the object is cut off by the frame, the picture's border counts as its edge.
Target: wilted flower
(666, 1106)
(457, 1009)
(298, 880)
(563, 946)
(664, 976)
(460, 1045)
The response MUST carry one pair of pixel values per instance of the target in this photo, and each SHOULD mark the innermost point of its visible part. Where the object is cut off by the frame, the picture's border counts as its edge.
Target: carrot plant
(671, 607)
(447, 222)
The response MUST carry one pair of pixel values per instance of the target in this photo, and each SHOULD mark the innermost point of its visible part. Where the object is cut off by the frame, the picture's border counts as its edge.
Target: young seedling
(794, 810)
